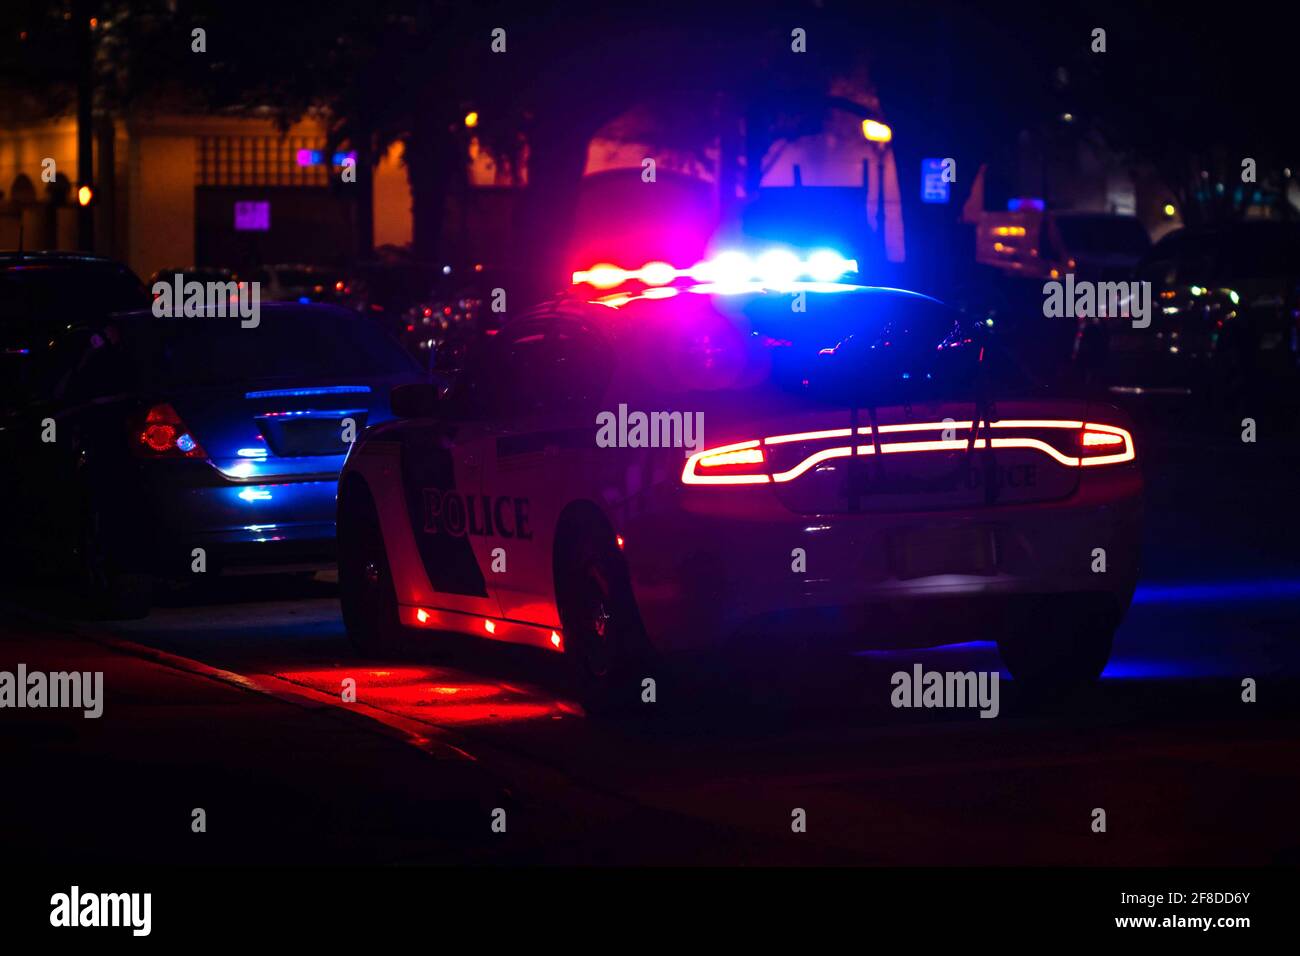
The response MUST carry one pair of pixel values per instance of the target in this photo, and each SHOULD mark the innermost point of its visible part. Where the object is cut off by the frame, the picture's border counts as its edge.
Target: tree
(1193, 104)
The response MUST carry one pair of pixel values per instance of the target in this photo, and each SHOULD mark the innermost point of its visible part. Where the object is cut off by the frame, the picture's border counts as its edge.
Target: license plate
(306, 434)
(922, 552)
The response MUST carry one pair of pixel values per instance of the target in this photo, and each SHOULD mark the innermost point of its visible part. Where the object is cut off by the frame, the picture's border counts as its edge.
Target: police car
(750, 451)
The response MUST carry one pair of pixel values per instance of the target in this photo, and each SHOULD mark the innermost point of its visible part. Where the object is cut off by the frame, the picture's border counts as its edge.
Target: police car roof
(724, 302)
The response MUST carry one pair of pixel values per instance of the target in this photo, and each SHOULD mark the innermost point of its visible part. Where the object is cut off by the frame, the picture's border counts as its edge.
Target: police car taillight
(1105, 445)
(742, 463)
(782, 458)
(162, 434)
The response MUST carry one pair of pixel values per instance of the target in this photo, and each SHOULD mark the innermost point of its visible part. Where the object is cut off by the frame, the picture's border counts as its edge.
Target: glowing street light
(876, 132)
(84, 195)
(471, 119)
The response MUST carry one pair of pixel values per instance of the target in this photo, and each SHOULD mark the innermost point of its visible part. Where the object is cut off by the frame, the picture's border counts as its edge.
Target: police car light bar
(772, 269)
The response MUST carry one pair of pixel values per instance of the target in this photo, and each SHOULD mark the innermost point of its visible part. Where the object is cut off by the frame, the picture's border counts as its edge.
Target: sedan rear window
(282, 346)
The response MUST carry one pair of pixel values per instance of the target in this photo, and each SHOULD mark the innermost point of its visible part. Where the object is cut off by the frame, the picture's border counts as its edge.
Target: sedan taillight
(162, 434)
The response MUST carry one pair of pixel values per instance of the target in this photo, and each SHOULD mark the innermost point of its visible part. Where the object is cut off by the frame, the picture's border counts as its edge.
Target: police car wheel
(599, 618)
(1057, 645)
(108, 592)
(366, 595)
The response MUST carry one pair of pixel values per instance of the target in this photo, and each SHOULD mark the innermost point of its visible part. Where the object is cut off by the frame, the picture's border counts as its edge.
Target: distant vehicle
(433, 310)
(298, 283)
(193, 273)
(438, 333)
(1048, 244)
(870, 472)
(1225, 310)
(386, 289)
(202, 274)
(441, 327)
(43, 292)
(183, 434)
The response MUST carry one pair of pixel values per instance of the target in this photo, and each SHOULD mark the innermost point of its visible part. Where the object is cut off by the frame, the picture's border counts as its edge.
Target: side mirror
(414, 400)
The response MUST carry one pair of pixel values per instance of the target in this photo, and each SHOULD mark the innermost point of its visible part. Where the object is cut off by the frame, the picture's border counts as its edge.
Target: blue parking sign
(933, 187)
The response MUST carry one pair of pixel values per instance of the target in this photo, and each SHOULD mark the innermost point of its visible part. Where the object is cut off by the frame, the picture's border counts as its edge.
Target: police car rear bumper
(701, 580)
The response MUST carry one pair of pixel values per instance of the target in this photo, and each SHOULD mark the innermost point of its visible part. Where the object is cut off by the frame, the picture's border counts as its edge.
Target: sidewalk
(293, 780)
(280, 781)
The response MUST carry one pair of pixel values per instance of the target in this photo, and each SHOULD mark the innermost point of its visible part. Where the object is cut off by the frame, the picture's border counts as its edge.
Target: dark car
(155, 447)
(1102, 246)
(389, 286)
(1225, 305)
(193, 274)
(41, 293)
(298, 283)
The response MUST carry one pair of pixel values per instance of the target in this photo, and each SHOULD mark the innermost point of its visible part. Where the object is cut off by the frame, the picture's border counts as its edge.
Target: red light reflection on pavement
(436, 694)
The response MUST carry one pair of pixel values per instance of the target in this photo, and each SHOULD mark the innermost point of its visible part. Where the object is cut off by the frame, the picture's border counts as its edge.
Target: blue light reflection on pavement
(1214, 592)
(1178, 630)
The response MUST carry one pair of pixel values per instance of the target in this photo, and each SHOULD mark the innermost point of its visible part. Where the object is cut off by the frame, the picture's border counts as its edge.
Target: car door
(441, 480)
(541, 453)
(59, 436)
(30, 463)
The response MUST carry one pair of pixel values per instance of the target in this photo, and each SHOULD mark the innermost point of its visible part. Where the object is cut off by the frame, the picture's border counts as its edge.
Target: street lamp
(84, 196)
(876, 132)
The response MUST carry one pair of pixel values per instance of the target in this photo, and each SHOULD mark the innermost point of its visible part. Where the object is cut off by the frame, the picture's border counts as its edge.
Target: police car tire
(585, 549)
(369, 606)
(1051, 651)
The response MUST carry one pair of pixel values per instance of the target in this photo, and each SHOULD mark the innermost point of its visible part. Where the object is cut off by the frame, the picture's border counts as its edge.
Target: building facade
(176, 191)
